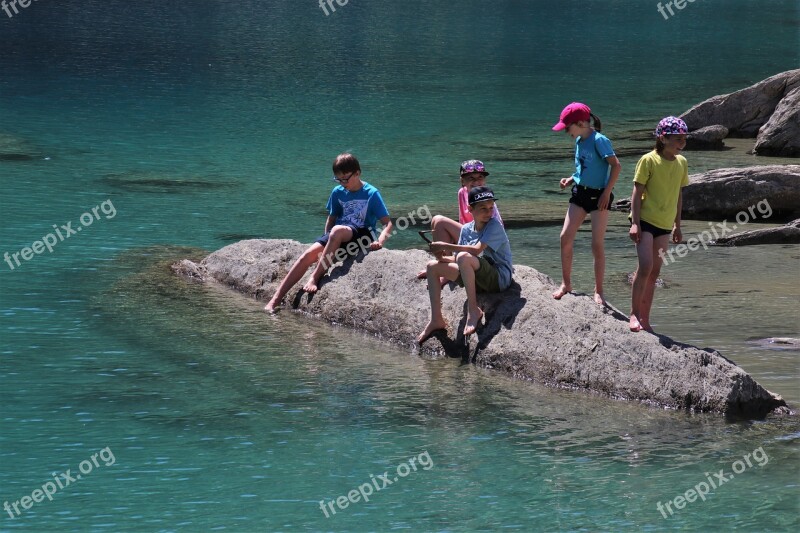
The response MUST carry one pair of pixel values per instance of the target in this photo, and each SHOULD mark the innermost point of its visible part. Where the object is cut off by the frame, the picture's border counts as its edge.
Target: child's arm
(474, 249)
(330, 223)
(677, 235)
(636, 209)
(616, 168)
(566, 182)
(387, 229)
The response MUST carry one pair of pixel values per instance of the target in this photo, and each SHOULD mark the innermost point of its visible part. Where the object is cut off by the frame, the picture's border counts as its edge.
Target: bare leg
(468, 264)
(644, 251)
(572, 222)
(659, 245)
(599, 224)
(338, 235)
(436, 270)
(299, 268)
(444, 230)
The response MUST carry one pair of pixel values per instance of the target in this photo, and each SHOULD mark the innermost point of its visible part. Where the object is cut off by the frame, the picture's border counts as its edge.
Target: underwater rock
(571, 343)
(158, 182)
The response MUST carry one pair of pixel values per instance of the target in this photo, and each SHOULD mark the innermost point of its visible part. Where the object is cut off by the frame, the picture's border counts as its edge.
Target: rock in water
(788, 234)
(708, 138)
(724, 193)
(780, 136)
(743, 112)
(570, 343)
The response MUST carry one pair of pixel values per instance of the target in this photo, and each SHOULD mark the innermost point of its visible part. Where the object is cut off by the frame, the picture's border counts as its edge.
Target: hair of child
(346, 163)
(598, 126)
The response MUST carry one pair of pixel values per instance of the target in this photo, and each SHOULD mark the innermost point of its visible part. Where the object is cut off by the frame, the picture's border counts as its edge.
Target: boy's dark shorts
(487, 279)
(655, 231)
(358, 234)
(587, 198)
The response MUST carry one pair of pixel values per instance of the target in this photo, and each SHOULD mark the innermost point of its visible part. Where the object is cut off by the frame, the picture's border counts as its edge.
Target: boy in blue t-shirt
(481, 261)
(354, 206)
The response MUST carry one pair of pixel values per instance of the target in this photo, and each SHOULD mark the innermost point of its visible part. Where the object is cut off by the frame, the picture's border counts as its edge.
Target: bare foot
(422, 274)
(472, 322)
(562, 290)
(311, 287)
(599, 300)
(635, 325)
(272, 307)
(430, 329)
(645, 323)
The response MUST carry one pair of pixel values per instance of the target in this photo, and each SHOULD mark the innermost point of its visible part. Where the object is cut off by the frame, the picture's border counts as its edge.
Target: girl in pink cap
(656, 213)
(596, 171)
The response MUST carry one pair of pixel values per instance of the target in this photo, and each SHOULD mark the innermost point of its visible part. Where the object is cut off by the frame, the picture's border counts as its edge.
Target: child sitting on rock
(354, 206)
(481, 261)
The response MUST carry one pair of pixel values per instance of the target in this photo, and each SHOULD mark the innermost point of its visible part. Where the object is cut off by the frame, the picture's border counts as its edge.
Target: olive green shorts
(487, 279)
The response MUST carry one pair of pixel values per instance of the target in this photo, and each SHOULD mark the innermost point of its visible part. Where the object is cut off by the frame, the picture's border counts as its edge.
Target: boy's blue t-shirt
(591, 167)
(362, 208)
(498, 249)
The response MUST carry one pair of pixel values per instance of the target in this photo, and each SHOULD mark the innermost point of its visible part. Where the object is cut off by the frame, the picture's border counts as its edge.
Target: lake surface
(191, 125)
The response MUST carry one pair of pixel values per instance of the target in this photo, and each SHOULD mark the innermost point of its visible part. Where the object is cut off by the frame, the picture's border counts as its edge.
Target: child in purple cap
(473, 174)
(596, 171)
(656, 212)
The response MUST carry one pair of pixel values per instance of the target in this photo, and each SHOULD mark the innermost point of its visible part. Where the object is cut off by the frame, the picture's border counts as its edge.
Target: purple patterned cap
(671, 126)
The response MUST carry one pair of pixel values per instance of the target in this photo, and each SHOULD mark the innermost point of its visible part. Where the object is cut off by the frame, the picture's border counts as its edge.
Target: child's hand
(635, 234)
(604, 200)
(438, 248)
(677, 235)
(565, 182)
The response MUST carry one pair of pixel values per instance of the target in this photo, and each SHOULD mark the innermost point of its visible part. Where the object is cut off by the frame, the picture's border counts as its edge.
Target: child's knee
(436, 220)
(463, 257)
(340, 233)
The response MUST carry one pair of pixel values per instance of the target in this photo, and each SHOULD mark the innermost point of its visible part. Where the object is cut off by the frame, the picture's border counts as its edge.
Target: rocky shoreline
(572, 343)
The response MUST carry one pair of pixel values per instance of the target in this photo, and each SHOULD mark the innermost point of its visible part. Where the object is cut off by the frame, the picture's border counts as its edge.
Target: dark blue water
(205, 122)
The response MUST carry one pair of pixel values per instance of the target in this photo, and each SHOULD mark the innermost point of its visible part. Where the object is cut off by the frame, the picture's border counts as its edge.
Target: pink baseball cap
(574, 112)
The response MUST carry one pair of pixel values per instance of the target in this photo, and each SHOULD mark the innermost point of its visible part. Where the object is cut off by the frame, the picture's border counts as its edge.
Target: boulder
(780, 136)
(743, 112)
(571, 343)
(772, 192)
(708, 138)
(788, 234)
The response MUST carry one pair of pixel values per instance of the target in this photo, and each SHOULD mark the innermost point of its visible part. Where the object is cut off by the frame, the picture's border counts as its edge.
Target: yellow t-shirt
(662, 180)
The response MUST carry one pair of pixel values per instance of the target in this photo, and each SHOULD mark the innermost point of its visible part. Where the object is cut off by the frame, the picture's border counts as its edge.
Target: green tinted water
(208, 122)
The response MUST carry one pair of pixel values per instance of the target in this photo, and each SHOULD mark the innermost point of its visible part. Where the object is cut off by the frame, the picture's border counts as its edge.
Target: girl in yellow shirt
(656, 212)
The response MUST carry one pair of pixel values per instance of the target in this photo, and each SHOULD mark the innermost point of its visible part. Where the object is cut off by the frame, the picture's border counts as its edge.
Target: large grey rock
(780, 136)
(724, 193)
(708, 138)
(743, 112)
(571, 343)
(787, 234)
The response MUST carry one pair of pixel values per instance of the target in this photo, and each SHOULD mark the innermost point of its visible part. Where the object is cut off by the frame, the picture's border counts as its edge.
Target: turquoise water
(206, 122)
